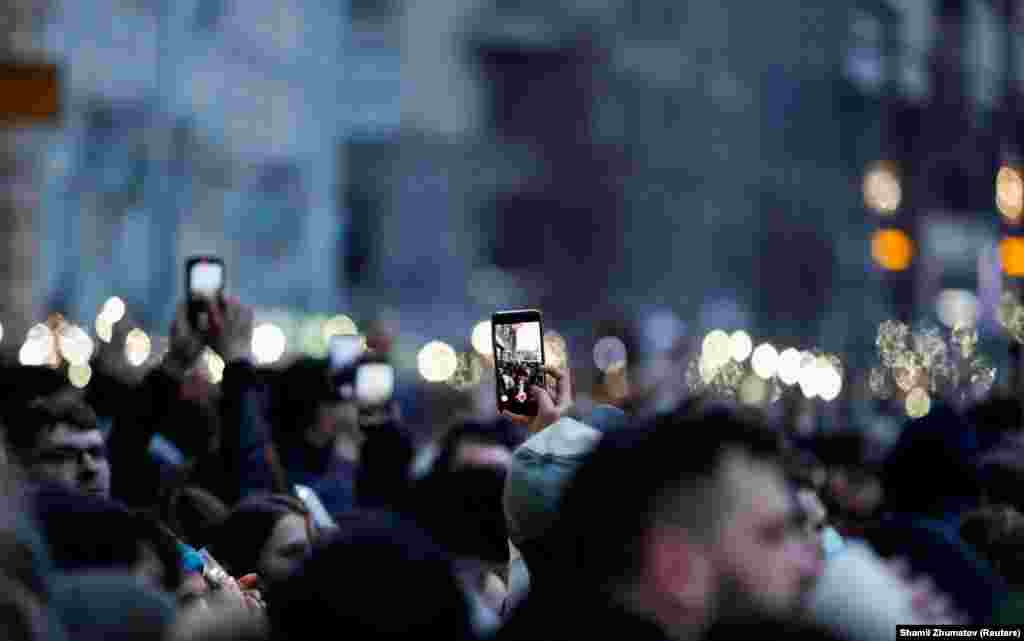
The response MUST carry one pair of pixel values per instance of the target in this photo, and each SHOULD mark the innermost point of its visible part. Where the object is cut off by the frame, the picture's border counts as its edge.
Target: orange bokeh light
(892, 249)
(1011, 255)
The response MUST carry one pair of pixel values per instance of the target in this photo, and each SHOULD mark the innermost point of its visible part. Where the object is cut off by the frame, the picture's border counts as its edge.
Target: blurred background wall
(443, 159)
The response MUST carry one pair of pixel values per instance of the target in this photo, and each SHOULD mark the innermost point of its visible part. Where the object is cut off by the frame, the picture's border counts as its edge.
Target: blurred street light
(1011, 254)
(892, 249)
(80, 375)
(765, 361)
(481, 338)
(268, 343)
(137, 347)
(113, 310)
(1010, 193)
(437, 362)
(740, 345)
(882, 191)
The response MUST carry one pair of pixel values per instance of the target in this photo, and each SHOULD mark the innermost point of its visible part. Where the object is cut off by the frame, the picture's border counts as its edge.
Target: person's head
(87, 533)
(304, 408)
(997, 533)
(58, 439)
(267, 534)
(688, 520)
(931, 468)
(193, 513)
(403, 586)
(459, 502)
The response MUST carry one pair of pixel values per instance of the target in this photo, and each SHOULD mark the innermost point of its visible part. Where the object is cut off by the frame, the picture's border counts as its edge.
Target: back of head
(90, 533)
(402, 586)
(112, 607)
(942, 440)
(635, 478)
(296, 396)
(193, 513)
(535, 480)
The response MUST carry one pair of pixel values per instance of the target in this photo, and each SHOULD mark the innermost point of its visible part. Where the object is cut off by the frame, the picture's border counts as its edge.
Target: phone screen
(345, 350)
(518, 359)
(375, 383)
(206, 280)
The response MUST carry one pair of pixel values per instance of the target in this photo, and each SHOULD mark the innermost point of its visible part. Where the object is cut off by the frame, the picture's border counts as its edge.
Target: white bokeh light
(765, 361)
(137, 347)
(716, 349)
(113, 310)
(481, 338)
(740, 345)
(789, 366)
(80, 375)
(437, 362)
(75, 345)
(268, 343)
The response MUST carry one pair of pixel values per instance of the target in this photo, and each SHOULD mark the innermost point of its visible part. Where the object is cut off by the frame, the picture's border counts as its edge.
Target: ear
(677, 567)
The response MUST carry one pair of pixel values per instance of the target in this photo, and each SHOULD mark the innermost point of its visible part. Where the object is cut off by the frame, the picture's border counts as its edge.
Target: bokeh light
(80, 375)
(75, 345)
(754, 390)
(956, 307)
(339, 325)
(104, 329)
(765, 361)
(918, 403)
(610, 354)
(740, 345)
(137, 347)
(468, 373)
(268, 343)
(113, 310)
(1011, 255)
(892, 249)
(716, 349)
(808, 375)
(556, 350)
(1010, 193)
(789, 366)
(39, 346)
(882, 190)
(437, 362)
(830, 383)
(1, 332)
(481, 338)
(214, 366)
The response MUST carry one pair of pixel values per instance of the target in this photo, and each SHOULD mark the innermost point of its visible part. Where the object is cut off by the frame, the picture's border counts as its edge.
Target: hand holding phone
(517, 338)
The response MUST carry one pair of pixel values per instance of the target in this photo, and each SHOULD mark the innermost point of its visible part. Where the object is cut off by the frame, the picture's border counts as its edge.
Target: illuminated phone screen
(375, 383)
(519, 364)
(206, 279)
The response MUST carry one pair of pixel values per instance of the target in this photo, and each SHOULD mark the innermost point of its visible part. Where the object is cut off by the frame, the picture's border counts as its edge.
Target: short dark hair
(635, 479)
(26, 423)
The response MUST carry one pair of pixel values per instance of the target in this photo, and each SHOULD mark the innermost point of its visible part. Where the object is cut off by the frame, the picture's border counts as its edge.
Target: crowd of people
(690, 520)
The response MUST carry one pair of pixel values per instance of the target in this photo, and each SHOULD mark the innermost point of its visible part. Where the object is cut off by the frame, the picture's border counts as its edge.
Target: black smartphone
(517, 339)
(204, 284)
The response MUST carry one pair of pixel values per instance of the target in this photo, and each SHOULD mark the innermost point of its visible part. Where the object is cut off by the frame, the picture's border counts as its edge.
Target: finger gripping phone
(204, 285)
(517, 339)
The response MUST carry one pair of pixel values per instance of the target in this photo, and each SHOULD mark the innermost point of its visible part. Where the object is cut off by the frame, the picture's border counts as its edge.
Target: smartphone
(316, 508)
(204, 283)
(518, 341)
(345, 350)
(374, 384)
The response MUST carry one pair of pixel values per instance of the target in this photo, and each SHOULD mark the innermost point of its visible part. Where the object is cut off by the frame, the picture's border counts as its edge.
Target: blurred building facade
(453, 157)
(702, 156)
